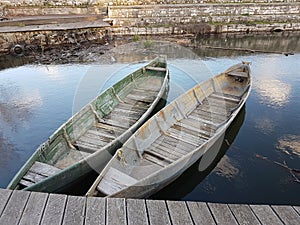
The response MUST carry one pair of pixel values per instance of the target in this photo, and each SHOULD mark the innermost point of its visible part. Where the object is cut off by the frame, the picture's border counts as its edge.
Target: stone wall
(125, 2)
(166, 15)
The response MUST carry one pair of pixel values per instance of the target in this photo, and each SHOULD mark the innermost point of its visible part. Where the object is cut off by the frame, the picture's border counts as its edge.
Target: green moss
(148, 43)
(136, 38)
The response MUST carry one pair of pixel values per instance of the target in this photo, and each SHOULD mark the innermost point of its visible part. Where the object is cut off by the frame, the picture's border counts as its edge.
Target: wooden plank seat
(160, 69)
(38, 171)
(238, 74)
(225, 97)
(115, 180)
(219, 102)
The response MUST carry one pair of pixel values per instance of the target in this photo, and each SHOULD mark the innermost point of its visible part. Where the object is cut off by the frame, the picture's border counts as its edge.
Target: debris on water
(294, 172)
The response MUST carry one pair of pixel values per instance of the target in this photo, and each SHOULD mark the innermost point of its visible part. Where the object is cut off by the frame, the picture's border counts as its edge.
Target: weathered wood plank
(297, 208)
(187, 136)
(72, 157)
(167, 150)
(179, 213)
(44, 169)
(54, 209)
(266, 215)
(158, 156)
(200, 213)
(160, 69)
(162, 153)
(110, 128)
(157, 212)
(201, 132)
(287, 214)
(116, 211)
(181, 139)
(14, 208)
(226, 98)
(32, 177)
(170, 141)
(222, 214)
(75, 210)
(136, 212)
(101, 133)
(115, 180)
(179, 151)
(4, 197)
(155, 160)
(243, 214)
(34, 209)
(95, 211)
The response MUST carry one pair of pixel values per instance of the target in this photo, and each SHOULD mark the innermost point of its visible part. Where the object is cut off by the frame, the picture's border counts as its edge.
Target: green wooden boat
(89, 139)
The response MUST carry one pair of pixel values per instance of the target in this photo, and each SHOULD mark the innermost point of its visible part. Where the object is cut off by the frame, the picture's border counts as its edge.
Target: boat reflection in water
(193, 176)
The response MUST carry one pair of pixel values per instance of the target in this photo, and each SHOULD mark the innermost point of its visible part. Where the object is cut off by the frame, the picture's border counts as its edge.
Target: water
(264, 139)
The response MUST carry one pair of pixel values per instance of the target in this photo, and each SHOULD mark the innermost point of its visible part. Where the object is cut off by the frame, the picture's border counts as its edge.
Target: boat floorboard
(114, 180)
(38, 172)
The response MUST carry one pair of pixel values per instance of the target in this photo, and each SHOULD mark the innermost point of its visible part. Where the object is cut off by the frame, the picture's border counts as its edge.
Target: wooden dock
(21, 207)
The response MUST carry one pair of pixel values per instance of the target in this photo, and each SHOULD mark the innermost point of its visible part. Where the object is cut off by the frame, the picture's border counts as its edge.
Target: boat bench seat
(38, 172)
(114, 181)
(226, 97)
(238, 74)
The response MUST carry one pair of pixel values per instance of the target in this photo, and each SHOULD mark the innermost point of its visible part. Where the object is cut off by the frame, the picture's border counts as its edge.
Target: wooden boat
(175, 137)
(89, 139)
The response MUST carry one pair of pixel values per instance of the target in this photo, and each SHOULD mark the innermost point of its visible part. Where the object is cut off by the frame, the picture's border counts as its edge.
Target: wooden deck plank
(75, 210)
(243, 214)
(116, 211)
(200, 213)
(14, 209)
(54, 209)
(136, 212)
(222, 214)
(34, 209)
(179, 213)
(287, 214)
(95, 211)
(4, 197)
(297, 208)
(266, 215)
(157, 212)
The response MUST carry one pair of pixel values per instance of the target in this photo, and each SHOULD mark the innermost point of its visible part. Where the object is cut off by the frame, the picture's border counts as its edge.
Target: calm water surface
(264, 139)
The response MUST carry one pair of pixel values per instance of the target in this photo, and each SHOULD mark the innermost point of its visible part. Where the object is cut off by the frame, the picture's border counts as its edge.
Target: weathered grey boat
(89, 139)
(175, 137)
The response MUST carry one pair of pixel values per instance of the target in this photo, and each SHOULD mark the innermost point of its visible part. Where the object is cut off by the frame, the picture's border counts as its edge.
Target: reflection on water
(279, 42)
(15, 105)
(289, 144)
(226, 168)
(275, 93)
(265, 125)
